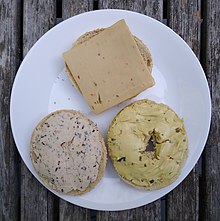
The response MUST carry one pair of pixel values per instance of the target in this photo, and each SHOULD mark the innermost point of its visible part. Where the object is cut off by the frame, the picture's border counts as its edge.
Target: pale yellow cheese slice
(108, 68)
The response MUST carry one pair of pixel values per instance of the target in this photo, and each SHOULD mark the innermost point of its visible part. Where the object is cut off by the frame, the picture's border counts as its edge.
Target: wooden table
(22, 23)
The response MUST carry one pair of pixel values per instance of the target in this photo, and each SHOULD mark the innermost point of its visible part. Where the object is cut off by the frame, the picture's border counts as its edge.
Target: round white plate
(41, 86)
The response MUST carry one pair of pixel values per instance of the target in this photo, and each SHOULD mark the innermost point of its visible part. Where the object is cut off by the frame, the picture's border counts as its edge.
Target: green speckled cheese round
(129, 135)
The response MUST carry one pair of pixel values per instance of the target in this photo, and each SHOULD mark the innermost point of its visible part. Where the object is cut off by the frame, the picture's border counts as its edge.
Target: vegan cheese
(133, 129)
(108, 68)
(68, 152)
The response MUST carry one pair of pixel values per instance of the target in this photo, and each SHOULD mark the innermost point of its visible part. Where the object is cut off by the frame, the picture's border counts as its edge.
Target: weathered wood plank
(184, 17)
(39, 16)
(210, 201)
(68, 211)
(183, 202)
(71, 7)
(150, 211)
(36, 202)
(153, 9)
(10, 47)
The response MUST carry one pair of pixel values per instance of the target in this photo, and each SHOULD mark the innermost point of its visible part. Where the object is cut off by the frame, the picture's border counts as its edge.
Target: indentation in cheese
(109, 66)
(67, 152)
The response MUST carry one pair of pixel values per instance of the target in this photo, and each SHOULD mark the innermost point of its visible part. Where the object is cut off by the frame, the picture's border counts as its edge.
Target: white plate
(41, 86)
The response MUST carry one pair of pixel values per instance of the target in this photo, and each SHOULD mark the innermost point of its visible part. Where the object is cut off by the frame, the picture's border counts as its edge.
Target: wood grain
(38, 17)
(153, 9)
(10, 45)
(184, 17)
(210, 200)
(183, 202)
(36, 202)
(151, 211)
(71, 7)
(69, 211)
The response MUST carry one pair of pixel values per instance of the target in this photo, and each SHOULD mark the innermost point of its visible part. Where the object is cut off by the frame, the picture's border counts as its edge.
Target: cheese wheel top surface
(67, 151)
(132, 131)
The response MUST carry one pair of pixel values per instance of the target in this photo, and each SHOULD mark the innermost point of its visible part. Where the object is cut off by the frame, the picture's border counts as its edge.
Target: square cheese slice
(108, 68)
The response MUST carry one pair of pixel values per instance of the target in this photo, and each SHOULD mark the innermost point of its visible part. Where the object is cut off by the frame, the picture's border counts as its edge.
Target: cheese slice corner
(108, 68)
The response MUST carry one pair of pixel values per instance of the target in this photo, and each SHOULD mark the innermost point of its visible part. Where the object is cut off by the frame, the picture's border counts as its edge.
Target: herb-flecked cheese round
(148, 144)
(68, 152)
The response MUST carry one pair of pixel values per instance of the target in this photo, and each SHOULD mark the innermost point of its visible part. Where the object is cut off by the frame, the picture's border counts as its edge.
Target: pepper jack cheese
(108, 68)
